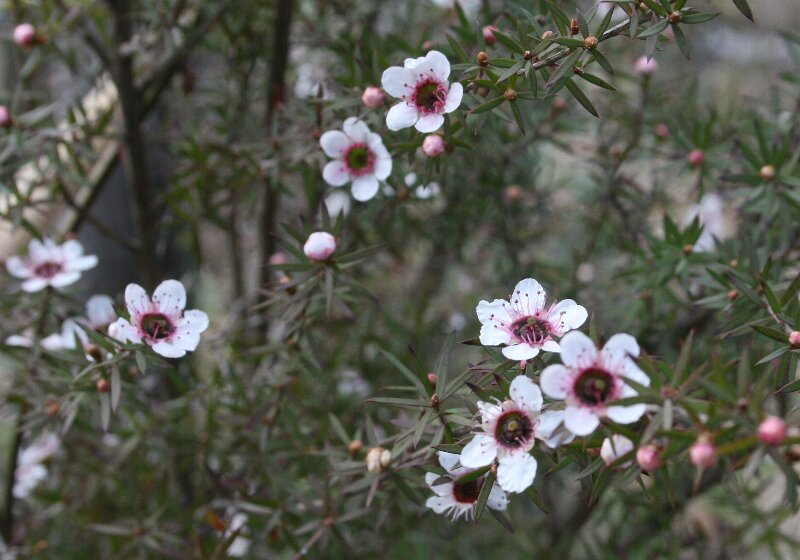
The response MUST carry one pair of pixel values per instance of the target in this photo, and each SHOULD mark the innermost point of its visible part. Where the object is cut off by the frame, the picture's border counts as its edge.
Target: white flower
(591, 380)
(53, 342)
(241, 544)
(615, 447)
(425, 93)
(508, 431)
(49, 264)
(30, 471)
(469, 6)
(337, 202)
(161, 323)
(524, 325)
(459, 500)
(99, 315)
(319, 246)
(711, 213)
(359, 156)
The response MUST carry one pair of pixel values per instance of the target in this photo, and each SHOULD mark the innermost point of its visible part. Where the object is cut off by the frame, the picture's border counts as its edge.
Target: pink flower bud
(794, 338)
(278, 258)
(433, 145)
(696, 157)
(645, 67)
(488, 36)
(320, 246)
(702, 453)
(772, 431)
(5, 117)
(25, 35)
(662, 131)
(373, 97)
(648, 458)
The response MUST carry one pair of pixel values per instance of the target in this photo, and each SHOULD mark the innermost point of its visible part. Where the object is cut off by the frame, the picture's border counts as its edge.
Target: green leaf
(483, 496)
(509, 42)
(744, 7)
(488, 106)
(581, 97)
(566, 66)
(393, 401)
(769, 332)
(473, 475)
(598, 57)
(697, 18)
(518, 117)
(680, 38)
(654, 29)
(582, 25)
(591, 78)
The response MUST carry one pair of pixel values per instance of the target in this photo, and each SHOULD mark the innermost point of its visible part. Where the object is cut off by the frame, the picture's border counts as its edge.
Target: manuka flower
(425, 94)
(508, 431)
(523, 323)
(459, 500)
(591, 380)
(615, 447)
(161, 322)
(50, 264)
(359, 156)
(99, 315)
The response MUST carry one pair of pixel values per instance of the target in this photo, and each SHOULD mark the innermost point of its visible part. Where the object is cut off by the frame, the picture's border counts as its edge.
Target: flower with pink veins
(425, 94)
(459, 499)
(160, 322)
(359, 156)
(50, 264)
(524, 325)
(509, 430)
(591, 380)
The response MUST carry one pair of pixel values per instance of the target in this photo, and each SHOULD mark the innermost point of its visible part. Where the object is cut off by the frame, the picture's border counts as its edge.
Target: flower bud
(794, 338)
(510, 95)
(5, 117)
(512, 193)
(767, 172)
(697, 157)
(94, 351)
(732, 295)
(645, 67)
(648, 458)
(662, 131)
(433, 145)
(373, 97)
(433, 379)
(378, 459)
(687, 249)
(674, 18)
(574, 28)
(25, 35)
(772, 431)
(547, 35)
(702, 453)
(320, 246)
(488, 36)
(102, 386)
(590, 42)
(52, 407)
(278, 258)
(355, 447)
(482, 58)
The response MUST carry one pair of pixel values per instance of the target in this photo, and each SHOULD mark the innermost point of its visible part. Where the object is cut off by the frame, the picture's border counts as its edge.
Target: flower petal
(168, 349)
(498, 309)
(16, 267)
(526, 393)
(448, 461)
(398, 81)
(383, 166)
(136, 300)
(578, 350)
(556, 381)
(169, 297)
(435, 63)
(454, 97)
(356, 129)
(523, 351)
(64, 279)
(123, 331)
(580, 421)
(335, 173)
(334, 143)
(194, 321)
(516, 472)
(401, 115)
(498, 499)
(481, 451)
(81, 263)
(100, 311)
(528, 297)
(565, 316)
(364, 188)
(626, 414)
(619, 348)
(430, 123)
(33, 284)
(440, 504)
(493, 335)
(551, 346)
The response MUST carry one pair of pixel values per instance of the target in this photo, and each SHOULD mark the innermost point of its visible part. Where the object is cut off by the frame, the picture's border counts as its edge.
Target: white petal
(528, 297)
(520, 352)
(168, 349)
(398, 81)
(72, 249)
(615, 447)
(16, 267)
(547, 423)
(578, 350)
(498, 309)
(526, 393)
(429, 123)
(335, 173)
(412, 63)
(481, 451)
(493, 335)
(580, 421)
(556, 381)
(435, 63)
(516, 472)
(81, 263)
(185, 341)
(440, 504)
(137, 301)
(356, 129)
(448, 461)
(100, 311)
(619, 348)
(454, 97)
(65, 278)
(194, 321)
(170, 298)
(401, 115)
(631, 371)
(334, 143)
(364, 188)
(626, 414)
(123, 331)
(498, 499)
(551, 346)
(41, 251)
(443, 489)
(19, 340)
(33, 284)
(565, 316)
(383, 167)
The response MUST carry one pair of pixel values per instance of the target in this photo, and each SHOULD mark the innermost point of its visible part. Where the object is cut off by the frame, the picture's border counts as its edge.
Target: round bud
(510, 95)
(373, 97)
(433, 379)
(278, 258)
(5, 117)
(512, 193)
(102, 386)
(488, 36)
(355, 447)
(374, 459)
(590, 42)
(559, 105)
(702, 453)
(662, 131)
(674, 18)
(25, 35)
(644, 66)
(320, 246)
(648, 458)
(433, 145)
(767, 172)
(696, 157)
(574, 28)
(772, 431)
(483, 59)
(794, 338)
(547, 35)
(51, 407)
(428, 45)
(687, 249)
(732, 295)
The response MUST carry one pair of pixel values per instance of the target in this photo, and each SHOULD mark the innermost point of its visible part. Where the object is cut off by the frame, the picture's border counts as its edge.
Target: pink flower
(161, 322)
(524, 325)
(648, 458)
(6, 120)
(25, 35)
(591, 380)
(359, 157)
(702, 453)
(645, 67)
(772, 431)
(425, 93)
(433, 145)
(49, 264)
(373, 97)
(320, 246)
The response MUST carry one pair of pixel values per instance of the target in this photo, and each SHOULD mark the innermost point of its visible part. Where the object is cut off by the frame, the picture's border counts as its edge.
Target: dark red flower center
(513, 429)
(594, 386)
(157, 326)
(48, 269)
(430, 97)
(360, 159)
(468, 492)
(530, 329)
